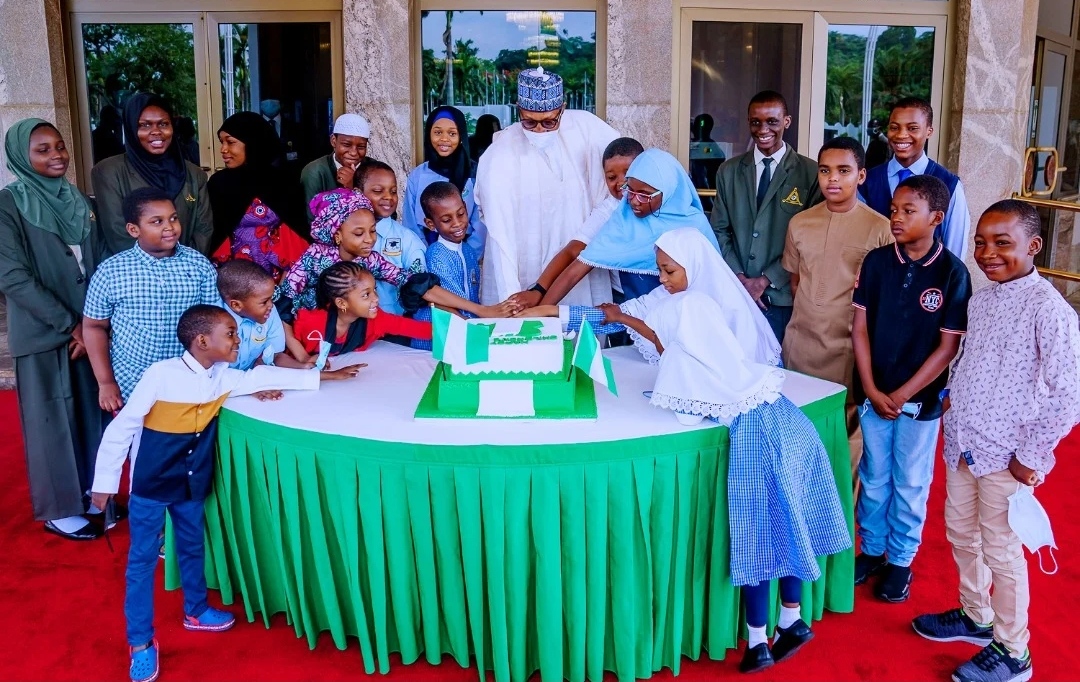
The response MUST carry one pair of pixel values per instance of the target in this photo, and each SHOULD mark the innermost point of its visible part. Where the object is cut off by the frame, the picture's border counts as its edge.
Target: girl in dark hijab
(251, 185)
(446, 158)
(151, 158)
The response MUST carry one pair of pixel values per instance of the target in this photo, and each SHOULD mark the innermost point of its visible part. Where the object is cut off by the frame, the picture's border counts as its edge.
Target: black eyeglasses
(546, 124)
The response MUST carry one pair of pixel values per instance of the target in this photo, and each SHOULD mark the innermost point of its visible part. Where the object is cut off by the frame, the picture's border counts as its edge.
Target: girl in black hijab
(446, 158)
(486, 127)
(248, 146)
(151, 158)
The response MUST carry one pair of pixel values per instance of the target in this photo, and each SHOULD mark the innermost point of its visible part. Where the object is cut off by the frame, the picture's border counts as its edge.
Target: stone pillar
(991, 92)
(639, 70)
(33, 78)
(378, 76)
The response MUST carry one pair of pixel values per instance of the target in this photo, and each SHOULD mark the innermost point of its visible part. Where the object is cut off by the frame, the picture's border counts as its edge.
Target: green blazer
(318, 176)
(752, 239)
(40, 277)
(114, 178)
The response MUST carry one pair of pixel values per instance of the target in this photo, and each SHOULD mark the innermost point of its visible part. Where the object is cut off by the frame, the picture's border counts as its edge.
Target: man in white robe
(536, 185)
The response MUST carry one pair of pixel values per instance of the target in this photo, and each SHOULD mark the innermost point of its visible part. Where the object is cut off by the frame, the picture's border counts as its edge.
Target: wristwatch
(538, 288)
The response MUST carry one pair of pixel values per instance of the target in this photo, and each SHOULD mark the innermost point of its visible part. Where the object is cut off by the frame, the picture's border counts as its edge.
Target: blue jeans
(896, 469)
(146, 519)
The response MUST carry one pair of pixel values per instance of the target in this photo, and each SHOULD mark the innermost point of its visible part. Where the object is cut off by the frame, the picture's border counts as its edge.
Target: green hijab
(52, 204)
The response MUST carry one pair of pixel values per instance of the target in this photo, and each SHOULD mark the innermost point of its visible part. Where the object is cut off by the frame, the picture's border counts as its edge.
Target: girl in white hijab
(783, 508)
(687, 261)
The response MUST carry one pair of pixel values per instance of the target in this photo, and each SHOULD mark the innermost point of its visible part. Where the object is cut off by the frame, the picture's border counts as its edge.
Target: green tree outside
(122, 59)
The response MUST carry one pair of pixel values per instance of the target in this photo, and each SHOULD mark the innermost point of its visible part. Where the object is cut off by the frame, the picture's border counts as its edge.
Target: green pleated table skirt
(569, 560)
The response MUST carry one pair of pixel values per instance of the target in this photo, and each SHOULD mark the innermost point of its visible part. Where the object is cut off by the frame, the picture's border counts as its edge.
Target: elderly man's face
(540, 121)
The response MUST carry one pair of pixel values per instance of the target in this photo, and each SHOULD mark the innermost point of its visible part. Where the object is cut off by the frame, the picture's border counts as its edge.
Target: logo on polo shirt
(793, 198)
(393, 247)
(931, 300)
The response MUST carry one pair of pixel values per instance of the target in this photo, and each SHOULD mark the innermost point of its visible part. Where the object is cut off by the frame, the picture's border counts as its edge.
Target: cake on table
(520, 368)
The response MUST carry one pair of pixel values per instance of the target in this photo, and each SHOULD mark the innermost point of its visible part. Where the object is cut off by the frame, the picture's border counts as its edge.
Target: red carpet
(63, 602)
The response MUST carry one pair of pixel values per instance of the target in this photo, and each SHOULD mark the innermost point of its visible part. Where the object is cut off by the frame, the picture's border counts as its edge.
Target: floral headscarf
(331, 209)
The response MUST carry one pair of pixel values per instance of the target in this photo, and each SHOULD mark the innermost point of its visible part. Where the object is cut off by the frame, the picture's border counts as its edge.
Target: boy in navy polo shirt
(910, 312)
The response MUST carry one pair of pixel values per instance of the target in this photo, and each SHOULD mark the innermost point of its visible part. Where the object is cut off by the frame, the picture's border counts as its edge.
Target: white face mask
(541, 140)
(1029, 521)
(324, 350)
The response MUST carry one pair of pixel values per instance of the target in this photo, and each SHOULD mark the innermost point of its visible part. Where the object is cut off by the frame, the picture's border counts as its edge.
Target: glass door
(729, 56)
(286, 65)
(839, 72)
(1045, 135)
(281, 65)
(116, 55)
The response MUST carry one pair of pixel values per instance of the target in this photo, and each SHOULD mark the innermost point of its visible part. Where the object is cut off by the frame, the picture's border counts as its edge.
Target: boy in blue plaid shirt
(136, 297)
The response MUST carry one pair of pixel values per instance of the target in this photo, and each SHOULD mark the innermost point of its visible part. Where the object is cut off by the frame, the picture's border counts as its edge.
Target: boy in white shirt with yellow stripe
(169, 427)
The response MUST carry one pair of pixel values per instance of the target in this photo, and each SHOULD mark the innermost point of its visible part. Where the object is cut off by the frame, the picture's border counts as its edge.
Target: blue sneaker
(952, 626)
(994, 664)
(211, 620)
(144, 663)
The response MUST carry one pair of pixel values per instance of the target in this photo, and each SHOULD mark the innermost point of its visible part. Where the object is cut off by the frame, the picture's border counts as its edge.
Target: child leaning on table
(247, 292)
(169, 425)
(1014, 393)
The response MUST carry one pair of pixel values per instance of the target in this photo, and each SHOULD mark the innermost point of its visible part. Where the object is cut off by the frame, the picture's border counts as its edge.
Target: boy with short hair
(911, 123)
(456, 264)
(338, 168)
(247, 292)
(825, 248)
(1014, 394)
(137, 296)
(757, 193)
(910, 311)
(169, 428)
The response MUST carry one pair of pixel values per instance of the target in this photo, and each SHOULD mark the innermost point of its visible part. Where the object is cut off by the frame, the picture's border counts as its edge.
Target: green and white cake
(505, 369)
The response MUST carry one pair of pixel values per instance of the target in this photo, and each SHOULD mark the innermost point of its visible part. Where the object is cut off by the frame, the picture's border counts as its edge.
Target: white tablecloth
(380, 402)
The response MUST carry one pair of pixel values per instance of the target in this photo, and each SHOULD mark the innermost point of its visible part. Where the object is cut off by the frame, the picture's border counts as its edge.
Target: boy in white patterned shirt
(1014, 393)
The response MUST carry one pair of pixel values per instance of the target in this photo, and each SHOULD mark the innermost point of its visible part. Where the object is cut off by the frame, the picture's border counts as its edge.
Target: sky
(493, 31)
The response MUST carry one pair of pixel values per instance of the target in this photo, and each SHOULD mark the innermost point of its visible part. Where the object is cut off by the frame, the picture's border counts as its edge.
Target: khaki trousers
(988, 552)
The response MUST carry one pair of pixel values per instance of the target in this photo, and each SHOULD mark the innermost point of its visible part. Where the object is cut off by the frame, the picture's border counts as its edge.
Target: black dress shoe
(99, 518)
(895, 586)
(756, 658)
(791, 640)
(87, 532)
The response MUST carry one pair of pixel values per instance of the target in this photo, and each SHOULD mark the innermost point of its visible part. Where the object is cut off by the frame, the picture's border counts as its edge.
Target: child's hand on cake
(539, 311)
(505, 309)
(343, 373)
(613, 314)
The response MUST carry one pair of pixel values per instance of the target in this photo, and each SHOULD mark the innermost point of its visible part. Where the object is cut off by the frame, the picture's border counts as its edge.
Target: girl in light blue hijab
(659, 197)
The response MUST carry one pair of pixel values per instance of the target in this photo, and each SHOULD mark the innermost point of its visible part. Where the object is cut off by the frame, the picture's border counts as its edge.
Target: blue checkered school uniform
(459, 278)
(783, 508)
(143, 298)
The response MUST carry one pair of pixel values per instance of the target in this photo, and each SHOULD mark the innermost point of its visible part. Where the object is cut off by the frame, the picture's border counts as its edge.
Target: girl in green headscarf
(49, 248)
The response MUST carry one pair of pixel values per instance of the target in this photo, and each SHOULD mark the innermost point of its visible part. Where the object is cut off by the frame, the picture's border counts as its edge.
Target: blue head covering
(625, 242)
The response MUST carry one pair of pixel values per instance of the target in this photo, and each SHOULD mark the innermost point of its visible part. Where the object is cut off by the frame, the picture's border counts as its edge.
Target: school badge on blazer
(392, 247)
(793, 198)
(190, 199)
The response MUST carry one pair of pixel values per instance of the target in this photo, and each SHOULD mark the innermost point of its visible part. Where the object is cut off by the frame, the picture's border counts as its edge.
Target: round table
(569, 547)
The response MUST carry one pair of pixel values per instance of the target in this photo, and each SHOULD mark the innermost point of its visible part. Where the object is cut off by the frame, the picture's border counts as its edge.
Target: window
(471, 59)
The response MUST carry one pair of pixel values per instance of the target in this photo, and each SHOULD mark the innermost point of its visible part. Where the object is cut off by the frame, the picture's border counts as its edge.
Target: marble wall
(378, 65)
(33, 78)
(990, 107)
(639, 69)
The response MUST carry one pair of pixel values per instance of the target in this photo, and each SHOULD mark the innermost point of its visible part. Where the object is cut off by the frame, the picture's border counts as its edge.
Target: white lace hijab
(707, 272)
(703, 369)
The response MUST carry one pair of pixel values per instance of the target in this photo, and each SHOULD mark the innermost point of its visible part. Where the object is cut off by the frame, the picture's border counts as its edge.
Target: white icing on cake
(538, 351)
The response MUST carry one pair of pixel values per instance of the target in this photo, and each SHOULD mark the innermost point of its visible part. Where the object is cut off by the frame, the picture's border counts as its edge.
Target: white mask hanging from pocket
(1029, 521)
